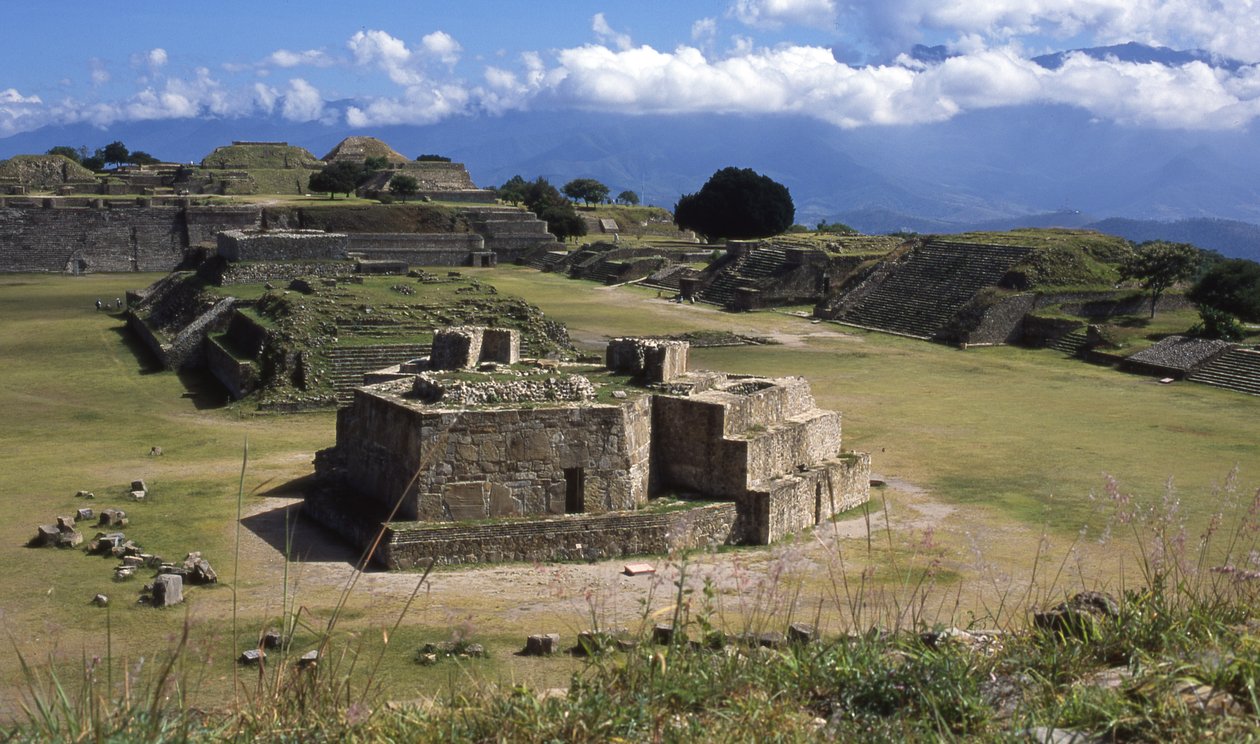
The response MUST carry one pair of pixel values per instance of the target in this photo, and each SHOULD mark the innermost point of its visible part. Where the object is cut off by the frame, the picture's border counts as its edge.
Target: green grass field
(991, 447)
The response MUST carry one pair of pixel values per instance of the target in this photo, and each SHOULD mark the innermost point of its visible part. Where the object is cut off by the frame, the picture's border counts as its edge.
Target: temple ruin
(469, 455)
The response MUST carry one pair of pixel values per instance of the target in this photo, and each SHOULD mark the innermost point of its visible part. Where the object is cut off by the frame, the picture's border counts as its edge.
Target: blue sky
(372, 64)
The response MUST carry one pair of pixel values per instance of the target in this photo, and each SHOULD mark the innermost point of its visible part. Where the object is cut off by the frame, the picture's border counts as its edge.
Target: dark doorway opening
(574, 491)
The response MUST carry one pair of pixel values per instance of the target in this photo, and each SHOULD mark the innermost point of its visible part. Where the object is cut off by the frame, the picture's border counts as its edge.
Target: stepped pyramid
(919, 293)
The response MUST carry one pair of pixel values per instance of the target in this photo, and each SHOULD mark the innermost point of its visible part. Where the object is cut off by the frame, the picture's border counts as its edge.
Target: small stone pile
(194, 570)
(432, 653)
(62, 534)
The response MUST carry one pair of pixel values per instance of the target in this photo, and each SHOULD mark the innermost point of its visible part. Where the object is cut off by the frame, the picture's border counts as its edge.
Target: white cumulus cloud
(302, 102)
(1225, 27)
(442, 46)
(11, 95)
(605, 32)
(809, 81)
(308, 57)
(778, 13)
(418, 105)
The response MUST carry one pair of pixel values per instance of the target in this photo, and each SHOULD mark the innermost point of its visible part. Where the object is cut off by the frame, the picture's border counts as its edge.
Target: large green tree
(337, 178)
(737, 203)
(586, 190)
(403, 186)
(513, 190)
(544, 200)
(1159, 265)
(115, 152)
(1232, 285)
(628, 197)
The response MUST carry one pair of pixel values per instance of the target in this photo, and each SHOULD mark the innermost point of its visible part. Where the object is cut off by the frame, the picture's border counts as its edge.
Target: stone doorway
(574, 490)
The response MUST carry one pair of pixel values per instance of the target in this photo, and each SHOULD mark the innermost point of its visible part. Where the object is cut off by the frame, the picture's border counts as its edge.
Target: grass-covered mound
(43, 172)
(305, 326)
(1060, 258)
(260, 155)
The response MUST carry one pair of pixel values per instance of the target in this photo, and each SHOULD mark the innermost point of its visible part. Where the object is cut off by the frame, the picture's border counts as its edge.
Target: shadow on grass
(303, 540)
(203, 390)
(200, 386)
(146, 360)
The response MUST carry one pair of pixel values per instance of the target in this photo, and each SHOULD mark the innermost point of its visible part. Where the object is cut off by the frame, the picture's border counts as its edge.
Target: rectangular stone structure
(654, 360)
(464, 347)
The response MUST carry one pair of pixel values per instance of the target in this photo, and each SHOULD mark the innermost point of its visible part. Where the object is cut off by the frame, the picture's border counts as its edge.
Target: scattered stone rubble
(62, 534)
(432, 653)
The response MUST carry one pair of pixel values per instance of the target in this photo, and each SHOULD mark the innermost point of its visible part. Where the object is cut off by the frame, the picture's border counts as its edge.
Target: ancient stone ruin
(470, 456)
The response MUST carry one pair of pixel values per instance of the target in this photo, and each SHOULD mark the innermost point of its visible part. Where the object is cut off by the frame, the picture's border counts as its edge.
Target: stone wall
(240, 377)
(494, 462)
(419, 249)
(578, 537)
(804, 499)
(249, 245)
(1041, 331)
(1102, 305)
(116, 236)
(1001, 322)
(229, 274)
(87, 240)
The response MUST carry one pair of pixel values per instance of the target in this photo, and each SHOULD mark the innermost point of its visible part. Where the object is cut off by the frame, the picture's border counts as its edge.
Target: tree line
(115, 153)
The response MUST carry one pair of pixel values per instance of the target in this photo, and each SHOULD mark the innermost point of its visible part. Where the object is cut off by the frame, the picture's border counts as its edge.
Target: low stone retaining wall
(239, 377)
(576, 537)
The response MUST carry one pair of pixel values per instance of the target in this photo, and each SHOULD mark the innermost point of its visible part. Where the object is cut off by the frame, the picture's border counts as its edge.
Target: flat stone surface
(638, 569)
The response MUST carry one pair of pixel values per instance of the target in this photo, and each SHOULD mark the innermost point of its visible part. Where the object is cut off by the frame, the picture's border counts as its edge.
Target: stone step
(1236, 369)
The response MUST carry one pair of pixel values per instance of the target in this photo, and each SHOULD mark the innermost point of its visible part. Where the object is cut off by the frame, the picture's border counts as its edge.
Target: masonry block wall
(242, 245)
(111, 237)
(419, 249)
(579, 537)
(495, 463)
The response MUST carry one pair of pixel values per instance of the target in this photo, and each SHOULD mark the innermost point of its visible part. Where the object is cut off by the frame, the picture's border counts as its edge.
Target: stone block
(83, 514)
(542, 645)
(168, 590)
(802, 633)
(465, 500)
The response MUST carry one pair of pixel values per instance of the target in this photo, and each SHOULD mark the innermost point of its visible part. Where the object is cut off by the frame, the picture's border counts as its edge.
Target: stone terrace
(918, 294)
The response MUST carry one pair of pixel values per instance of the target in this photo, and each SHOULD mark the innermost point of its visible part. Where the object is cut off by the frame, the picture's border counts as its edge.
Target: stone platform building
(511, 462)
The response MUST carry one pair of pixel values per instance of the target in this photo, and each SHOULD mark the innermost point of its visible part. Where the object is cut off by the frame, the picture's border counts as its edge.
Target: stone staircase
(510, 233)
(919, 294)
(1072, 343)
(744, 271)
(1237, 369)
(350, 363)
(545, 260)
(669, 278)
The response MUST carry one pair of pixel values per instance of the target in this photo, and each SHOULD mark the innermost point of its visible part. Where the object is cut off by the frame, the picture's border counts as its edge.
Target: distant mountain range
(997, 168)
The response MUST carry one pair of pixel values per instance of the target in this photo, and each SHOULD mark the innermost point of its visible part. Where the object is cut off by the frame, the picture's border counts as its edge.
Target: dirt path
(529, 598)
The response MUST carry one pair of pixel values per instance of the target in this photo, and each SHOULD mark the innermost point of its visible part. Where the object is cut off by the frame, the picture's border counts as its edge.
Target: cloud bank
(427, 79)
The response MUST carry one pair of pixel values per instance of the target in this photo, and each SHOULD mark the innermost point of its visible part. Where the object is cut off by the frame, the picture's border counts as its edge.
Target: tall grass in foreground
(1176, 658)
